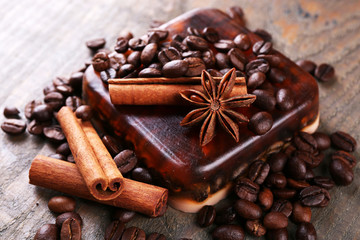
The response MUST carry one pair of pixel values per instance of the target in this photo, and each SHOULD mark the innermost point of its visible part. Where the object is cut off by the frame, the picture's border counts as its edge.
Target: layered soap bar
(173, 152)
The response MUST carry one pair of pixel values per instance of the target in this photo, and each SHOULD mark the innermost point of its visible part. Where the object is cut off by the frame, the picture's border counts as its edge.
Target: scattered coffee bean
(242, 41)
(277, 234)
(323, 182)
(297, 184)
(255, 228)
(156, 236)
(161, 32)
(257, 65)
(64, 216)
(55, 100)
(73, 102)
(179, 46)
(195, 54)
(276, 75)
(175, 68)
(153, 37)
(125, 70)
(262, 47)
(206, 216)
(246, 189)
(121, 45)
(65, 90)
(107, 74)
(260, 123)
(195, 66)
(256, 79)
(275, 220)
(84, 112)
(142, 175)
(265, 100)
(312, 160)
(76, 79)
(57, 156)
(305, 142)
(224, 45)
(210, 34)
(209, 58)
(58, 81)
(283, 206)
(100, 62)
(134, 58)
(111, 144)
(48, 89)
(323, 140)
(222, 60)
(133, 233)
(247, 209)
(341, 172)
(346, 157)
(47, 232)
(296, 168)
(277, 161)
(125, 161)
(284, 99)
(96, 44)
(37, 128)
(168, 55)
(123, 215)
(311, 196)
(13, 126)
(225, 215)
(284, 193)
(115, 230)
(265, 199)
(263, 34)
(324, 72)
(70, 230)
(305, 231)
(233, 232)
(276, 180)
(54, 134)
(42, 113)
(62, 204)
(343, 141)
(237, 58)
(258, 171)
(148, 53)
(11, 112)
(196, 43)
(307, 65)
(29, 108)
(63, 149)
(137, 44)
(300, 213)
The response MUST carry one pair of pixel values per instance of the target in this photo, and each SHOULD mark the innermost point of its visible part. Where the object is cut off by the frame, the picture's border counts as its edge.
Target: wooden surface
(41, 39)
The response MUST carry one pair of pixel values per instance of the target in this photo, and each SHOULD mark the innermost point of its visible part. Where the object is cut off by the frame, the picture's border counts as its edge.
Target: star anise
(216, 106)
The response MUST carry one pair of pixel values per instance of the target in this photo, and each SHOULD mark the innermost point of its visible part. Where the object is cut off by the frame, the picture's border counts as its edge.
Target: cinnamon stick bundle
(160, 91)
(65, 177)
(94, 162)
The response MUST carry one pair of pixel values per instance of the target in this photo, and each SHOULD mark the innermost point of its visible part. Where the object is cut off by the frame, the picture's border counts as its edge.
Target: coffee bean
(13, 126)
(284, 99)
(134, 58)
(125, 70)
(160, 32)
(323, 140)
(54, 134)
(273, 60)
(324, 72)
(65, 90)
(156, 65)
(70, 158)
(295, 168)
(262, 47)
(263, 34)
(70, 230)
(62, 217)
(206, 216)
(237, 58)
(125, 161)
(121, 45)
(107, 74)
(309, 174)
(76, 79)
(133, 233)
(345, 157)
(42, 113)
(276, 180)
(255, 228)
(63, 149)
(142, 175)
(246, 189)
(57, 156)
(156, 236)
(284, 193)
(290, 150)
(247, 209)
(305, 142)
(222, 60)
(11, 112)
(47, 232)
(343, 141)
(258, 171)
(29, 108)
(275, 220)
(195, 66)
(261, 122)
(264, 99)
(323, 182)
(210, 34)
(153, 37)
(277, 234)
(48, 89)
(148, 53)
(36, 128)
(277, 161)
(123, 215)
(96, 44)
(58, 81)
(149, 73)
(224, 45)
(300, 213)
(297, 184)
(307, 66)
(257, 65)
(305, 231)
(327, 198)
(312, 160)
(114, 230)
(276, 75)
(55, 100)
(265, 199)
(111, 144)
(117, 60)
(196, 43)
(242, 41)
(195, 54)
(168, 55)
(256, 79)
(137, 44)
(84, 112)
(227, 232)
(175, 68)
(209, 58)
(237, 14)
(311, 196)
(225, 215)
(179, 46)
(73, 102)
(100, 62)
(61, 204)
(341, 172)
(283, 206)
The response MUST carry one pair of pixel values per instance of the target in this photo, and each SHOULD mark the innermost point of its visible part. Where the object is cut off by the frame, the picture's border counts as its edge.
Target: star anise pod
(216, 106)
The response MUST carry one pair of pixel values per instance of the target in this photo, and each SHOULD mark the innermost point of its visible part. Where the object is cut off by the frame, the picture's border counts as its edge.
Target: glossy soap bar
(172, 152)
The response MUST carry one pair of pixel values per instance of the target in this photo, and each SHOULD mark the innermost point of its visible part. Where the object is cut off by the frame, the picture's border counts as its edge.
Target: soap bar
(172, 153)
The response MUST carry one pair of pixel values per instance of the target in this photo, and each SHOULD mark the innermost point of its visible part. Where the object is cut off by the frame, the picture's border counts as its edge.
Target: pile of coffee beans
(323, 73)
(284, 187)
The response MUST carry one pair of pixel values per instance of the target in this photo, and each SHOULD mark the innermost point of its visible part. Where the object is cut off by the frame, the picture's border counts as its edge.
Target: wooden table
(42, 39)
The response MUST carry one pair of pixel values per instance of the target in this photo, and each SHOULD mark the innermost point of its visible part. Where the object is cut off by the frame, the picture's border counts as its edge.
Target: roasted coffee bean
(309, 174)
(148, 53)
(311, 196)
(196, 43)
(263, 34)
(323, 140)
(261, 122)
(237, 14)
(42, 113)
(284, 99)
(242, 41)
(297, 184)
(307, 66)
(264, 99)
(225, 215)
(65, 90)
(104, 50)
(153, 37)
(346, 157)
(343, 141)
(134, 58)
(13, 126)
(114, 230)
(283, 206)
(73, 102)
(276, 75)
(327, 198)
(62, 217)
(206, 216)
(276, 180)
(224, 45)
(312, 160)
(246, 189)
(11, 112)
(70, 230)
(277, 234)
(305, 231)
(96, 44)
(142, 175)
(58, 81)
(117, 59)
(126, 160)
(300, 213)
(256, 79)
(70, 158)
(55, 100)
(257, 65)
(262, 47)
(237, 58)
(265, 199)
(323, 182)
(47, 232)
(175, 68)
(121, 45)
(209, 58)
(156, 65)
(133, 233)
(36, 128)
(187, 54)
(48, 89)
(295, 168)
(137, 44)
(247, 209)
(63, 149)
(111, 144)
(277, 161)
(107, 74)
(76, 79)
(195, 66)
(193, 31)
(57, 156)
(290, 150)
(62, 204)
(123, 215)
(255, 228)
(100, 62)
(325, 72)
(258, 171)
(179, 46)
(214, 72)
(275, 220)
(168, 55)
(224, 71)
(210, 34)
(341, 172)
(222, 60)
(273, 60)
(126, 34)
(125, 70)
(54, 134)
(156, 236)
(305, 142)
(149, 73)
(228, 232)
(160, 32)
(284, 193)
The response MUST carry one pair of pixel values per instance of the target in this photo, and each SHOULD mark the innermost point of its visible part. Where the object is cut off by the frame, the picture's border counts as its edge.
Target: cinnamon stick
(65, 177)
(96, 166)
(160, 91)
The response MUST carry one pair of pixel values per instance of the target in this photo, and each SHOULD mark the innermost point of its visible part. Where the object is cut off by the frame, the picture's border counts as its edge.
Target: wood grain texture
(42, 39)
